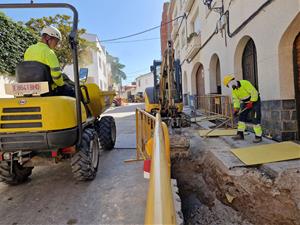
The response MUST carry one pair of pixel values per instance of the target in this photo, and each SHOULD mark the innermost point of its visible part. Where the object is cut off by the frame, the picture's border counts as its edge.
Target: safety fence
(215, 106)
(153, 143)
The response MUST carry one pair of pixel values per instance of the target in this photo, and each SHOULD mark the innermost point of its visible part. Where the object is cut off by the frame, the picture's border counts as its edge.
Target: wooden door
(200, 81)
(249, 63)
(297, 77)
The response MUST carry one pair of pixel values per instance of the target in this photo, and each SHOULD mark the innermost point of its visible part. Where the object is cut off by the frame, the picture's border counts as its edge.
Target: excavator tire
(85, 162)
(19, 173)
(185, 120)
(107, 132)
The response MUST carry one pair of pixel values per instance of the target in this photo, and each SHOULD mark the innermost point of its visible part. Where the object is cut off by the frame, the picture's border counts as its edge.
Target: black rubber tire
(107, 132)
(19, 173)
(185, 120)
(85, 162)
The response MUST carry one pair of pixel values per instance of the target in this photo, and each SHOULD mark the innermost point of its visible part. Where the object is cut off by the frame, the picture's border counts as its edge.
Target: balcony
(193, 45)
(188, 5)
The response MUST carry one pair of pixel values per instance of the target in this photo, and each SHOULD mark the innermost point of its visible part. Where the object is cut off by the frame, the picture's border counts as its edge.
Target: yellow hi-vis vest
(40, 52)
(246, 92)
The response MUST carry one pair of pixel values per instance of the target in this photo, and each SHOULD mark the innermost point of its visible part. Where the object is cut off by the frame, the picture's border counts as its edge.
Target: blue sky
(109, 19)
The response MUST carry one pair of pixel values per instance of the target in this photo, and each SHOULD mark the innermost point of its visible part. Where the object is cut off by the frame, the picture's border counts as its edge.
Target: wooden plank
(262, 154)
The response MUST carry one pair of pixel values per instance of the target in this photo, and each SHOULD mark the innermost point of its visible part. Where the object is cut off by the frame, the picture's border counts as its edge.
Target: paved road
(52, 196)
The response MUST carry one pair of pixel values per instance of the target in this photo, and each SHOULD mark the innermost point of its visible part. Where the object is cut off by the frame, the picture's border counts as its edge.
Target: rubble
(216, 188)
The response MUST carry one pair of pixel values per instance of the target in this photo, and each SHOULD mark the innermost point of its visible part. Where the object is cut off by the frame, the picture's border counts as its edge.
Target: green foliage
(14, 40)
(116, 69)
(63, 52)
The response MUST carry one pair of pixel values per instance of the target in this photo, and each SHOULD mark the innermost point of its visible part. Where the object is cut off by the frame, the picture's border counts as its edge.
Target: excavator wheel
(85, 162)
(19, 173)
(185, 120)
(107, 132)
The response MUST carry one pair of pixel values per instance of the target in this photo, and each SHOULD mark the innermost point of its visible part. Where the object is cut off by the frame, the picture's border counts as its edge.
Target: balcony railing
(193, 45)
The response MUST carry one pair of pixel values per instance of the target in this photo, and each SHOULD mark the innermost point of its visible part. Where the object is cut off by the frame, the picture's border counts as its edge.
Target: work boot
(257, 139)
(239, 136)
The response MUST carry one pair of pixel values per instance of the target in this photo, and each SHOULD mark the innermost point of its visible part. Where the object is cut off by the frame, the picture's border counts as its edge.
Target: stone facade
(279, 119)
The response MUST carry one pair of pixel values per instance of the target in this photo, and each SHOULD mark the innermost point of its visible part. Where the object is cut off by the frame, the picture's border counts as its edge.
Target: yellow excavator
(166, 95)
(37, 127)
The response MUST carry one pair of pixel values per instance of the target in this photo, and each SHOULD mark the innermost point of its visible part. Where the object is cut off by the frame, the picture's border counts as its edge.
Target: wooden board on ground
(218, 132)
(268, 153)
(204, 118)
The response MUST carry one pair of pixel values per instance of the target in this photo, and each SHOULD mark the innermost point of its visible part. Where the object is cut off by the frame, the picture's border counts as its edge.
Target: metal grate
(21, 117)
(21, 109)
(20, 125)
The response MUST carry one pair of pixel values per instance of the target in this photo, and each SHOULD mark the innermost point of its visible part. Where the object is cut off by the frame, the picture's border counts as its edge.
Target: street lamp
(207, 3)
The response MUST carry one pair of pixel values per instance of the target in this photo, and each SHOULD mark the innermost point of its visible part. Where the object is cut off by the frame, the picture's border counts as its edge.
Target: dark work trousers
(65, 90)
(257, 112)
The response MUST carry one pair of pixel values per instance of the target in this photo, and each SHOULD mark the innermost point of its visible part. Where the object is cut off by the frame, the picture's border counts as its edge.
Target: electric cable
(142, 32)
(132, 41)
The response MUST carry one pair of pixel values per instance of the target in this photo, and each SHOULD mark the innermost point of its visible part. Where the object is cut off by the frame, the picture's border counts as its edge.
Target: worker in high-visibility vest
(245, 99)
(43, 52)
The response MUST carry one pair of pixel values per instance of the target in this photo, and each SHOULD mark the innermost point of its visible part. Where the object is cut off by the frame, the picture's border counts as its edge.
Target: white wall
(5, 80)
(98, 69)
(144, 81)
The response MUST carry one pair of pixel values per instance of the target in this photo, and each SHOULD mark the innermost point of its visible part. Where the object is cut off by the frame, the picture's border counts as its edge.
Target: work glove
(236, 111)
(249, 105)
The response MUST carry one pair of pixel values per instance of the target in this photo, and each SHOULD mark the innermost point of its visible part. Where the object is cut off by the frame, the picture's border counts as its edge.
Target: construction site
(183, 151)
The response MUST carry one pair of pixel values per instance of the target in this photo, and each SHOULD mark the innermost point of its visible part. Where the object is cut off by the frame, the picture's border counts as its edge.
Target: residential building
(144, 81)
(95, 61)
(128, 91)
(167, 25)
(257, 40)
(164, 26)
(5, 79)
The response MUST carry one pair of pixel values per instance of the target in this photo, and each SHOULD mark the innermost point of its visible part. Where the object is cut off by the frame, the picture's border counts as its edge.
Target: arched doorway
(215, 75)
(296, 54)
(200, 88)
(249, 63)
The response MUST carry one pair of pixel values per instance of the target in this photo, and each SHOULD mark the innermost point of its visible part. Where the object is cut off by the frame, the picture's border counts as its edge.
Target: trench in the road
(199, 203)
(213, 193)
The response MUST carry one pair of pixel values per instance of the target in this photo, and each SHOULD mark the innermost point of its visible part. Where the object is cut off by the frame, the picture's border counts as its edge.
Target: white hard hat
(52, 31)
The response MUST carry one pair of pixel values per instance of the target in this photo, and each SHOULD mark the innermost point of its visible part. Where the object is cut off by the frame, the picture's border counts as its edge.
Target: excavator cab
(37, 127)
(166, 94)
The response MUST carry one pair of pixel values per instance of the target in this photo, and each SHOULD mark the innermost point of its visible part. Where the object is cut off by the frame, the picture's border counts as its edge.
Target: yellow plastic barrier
(160, 206)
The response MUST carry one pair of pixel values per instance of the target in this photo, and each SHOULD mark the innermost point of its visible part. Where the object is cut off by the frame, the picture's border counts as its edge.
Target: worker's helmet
(227, 79)
(51, 31)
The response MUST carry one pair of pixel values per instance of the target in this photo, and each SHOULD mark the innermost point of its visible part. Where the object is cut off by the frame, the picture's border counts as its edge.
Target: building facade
(257, 40)
(96, 63)
(144, 81)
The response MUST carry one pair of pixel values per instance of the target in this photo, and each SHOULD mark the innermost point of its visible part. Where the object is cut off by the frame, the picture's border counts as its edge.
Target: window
(195, 24)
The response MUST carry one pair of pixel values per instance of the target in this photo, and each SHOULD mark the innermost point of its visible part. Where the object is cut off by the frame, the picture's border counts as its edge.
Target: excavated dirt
(212, 194)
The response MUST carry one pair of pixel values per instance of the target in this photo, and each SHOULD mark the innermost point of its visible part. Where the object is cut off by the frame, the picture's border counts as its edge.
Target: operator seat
(33, 71)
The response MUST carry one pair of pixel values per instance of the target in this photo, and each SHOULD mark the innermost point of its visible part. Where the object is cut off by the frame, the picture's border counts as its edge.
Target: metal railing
(160, 204)
(215, 106)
